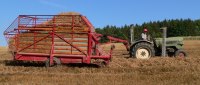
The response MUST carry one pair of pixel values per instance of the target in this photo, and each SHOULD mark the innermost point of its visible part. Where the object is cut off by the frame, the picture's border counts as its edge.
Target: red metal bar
(71, 44)
(88, 24)
(71, 60)
(17, 39)
(88, 58)
(125, 42)
(48, 15)
(89, 44)
(72, 31)
(116, 39)
(52, 46)
(48, 26)
(34, 33)
(28, 16)
(96, 38)
(30, 57)
(34, 43)
(36, 29)
(47, 55)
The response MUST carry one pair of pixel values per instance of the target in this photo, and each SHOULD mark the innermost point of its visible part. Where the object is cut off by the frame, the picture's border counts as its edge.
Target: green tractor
(145, 49)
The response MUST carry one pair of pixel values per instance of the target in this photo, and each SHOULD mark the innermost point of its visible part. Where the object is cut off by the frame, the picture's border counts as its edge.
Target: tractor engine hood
(170, 41)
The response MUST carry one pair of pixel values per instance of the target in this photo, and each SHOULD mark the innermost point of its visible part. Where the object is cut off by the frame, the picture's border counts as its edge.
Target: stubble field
(121, 71)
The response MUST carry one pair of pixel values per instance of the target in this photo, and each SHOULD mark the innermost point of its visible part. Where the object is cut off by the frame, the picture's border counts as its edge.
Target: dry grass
(121, 71)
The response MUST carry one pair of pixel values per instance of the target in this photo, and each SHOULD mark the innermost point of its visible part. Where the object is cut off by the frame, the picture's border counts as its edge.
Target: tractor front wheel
(180, 54)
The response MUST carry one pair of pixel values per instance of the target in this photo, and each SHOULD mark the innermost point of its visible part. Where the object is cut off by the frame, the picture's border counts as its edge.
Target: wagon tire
(47, 63)
(56, 61)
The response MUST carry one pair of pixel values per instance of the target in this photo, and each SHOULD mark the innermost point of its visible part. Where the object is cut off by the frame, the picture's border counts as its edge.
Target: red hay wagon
(55, 39)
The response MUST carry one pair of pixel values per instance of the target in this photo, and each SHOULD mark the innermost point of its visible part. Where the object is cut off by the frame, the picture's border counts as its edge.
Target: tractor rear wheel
(144, 51)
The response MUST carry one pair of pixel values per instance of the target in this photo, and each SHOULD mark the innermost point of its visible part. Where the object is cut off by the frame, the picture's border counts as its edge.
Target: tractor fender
(140, 41)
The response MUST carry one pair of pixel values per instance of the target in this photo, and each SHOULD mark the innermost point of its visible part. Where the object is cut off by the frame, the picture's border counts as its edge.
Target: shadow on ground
(23, 63)
(42, 64)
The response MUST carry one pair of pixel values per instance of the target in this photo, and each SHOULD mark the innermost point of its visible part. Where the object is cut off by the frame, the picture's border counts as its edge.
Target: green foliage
(175, 27)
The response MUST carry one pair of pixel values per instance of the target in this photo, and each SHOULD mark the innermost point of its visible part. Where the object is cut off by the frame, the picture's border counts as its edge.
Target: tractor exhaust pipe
(164, 29)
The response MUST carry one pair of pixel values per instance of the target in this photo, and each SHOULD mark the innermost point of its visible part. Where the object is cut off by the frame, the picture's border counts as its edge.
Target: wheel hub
(181, 55)
(142, 53)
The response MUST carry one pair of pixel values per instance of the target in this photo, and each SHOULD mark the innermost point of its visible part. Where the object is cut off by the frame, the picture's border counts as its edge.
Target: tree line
(175, 27)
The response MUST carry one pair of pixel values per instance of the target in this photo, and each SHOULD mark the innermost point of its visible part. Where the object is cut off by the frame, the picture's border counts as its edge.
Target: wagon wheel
(56, 61)
(47, 63)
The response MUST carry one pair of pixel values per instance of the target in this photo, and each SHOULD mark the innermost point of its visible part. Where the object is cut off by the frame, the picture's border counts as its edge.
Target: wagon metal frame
(48, 25)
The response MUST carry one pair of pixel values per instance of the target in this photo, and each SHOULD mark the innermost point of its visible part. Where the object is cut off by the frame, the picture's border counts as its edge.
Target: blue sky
(101, 12)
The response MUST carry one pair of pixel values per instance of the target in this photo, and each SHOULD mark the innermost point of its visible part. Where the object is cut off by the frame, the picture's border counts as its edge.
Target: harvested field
(121, 71)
